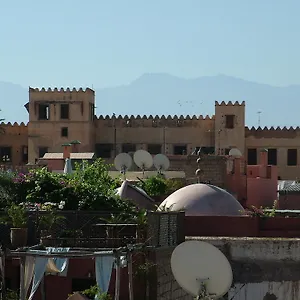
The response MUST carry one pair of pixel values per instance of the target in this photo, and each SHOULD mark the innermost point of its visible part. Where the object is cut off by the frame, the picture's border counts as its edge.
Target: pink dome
(202, 199)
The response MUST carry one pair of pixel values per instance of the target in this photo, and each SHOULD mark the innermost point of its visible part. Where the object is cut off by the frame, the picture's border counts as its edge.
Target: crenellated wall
(167, 131)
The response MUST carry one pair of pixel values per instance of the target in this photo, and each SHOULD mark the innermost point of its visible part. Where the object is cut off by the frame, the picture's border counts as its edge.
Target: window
(104, 150)
(292, 157)
(64, 132)
(92, 111)
(42, 151)
(229, 121)
(227, 150)
(5, 154)
(252, 156)
(24, 154)
(44, 112)
(180, 149)
(154, 148)
(272, 157)
(64, 111)
(203, 150)
(128, 148)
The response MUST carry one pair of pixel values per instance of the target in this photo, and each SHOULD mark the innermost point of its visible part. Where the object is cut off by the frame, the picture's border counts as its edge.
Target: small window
(104, 150)
(292, 157)
(42, 151)
(44, 112)
(180, 150)
(272, 157)
(128, 148)
(64, 111)
(6, 154)
(229, 121)
(24, 154)
(252, 156)
(154, 149)
(92, 111)
(64, 132)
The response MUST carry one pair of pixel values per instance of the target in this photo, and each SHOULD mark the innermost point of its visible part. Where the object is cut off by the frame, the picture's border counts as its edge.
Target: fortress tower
(57, 117)
(229, 127)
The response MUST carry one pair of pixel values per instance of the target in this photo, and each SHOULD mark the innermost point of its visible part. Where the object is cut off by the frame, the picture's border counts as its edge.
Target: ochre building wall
(140, 132)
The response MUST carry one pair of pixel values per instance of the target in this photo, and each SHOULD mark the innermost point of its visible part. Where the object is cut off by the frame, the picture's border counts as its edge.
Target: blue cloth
(41, 266)
(103, 268)
(39, 270)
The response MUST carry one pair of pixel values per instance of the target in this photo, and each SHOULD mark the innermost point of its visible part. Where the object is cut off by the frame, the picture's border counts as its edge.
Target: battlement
(150, 117)
(272, 132)
(155, 121)
(230, 103)
(14, 128)
(61, 90)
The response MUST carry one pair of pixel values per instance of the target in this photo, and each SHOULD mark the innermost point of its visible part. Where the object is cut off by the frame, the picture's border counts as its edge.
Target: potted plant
(48, 218)
(17, 215)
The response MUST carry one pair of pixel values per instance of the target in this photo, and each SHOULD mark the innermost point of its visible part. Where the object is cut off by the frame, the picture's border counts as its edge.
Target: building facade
(58, 116)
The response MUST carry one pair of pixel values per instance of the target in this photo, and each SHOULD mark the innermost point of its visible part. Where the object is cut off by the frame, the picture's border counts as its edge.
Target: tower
(229, 127)
(59, 116)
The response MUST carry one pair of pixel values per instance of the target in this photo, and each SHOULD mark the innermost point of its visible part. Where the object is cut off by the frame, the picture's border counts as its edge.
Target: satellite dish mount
(123, 163)
(143, 160)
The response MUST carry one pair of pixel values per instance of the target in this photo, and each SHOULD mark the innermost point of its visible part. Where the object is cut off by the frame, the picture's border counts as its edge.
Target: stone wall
(166, 285)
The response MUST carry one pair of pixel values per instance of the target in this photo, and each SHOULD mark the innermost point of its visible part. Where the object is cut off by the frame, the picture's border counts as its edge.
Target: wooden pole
(22, 279)
(117, 283)
(130, 277)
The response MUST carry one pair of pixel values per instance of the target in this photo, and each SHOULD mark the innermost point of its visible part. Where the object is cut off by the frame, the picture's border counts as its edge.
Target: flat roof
(75, 155)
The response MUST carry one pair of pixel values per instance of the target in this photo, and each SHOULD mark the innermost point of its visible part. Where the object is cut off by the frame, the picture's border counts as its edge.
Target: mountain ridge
(164, 94)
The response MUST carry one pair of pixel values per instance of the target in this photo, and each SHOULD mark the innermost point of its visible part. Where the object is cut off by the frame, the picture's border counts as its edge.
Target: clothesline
(116, 254)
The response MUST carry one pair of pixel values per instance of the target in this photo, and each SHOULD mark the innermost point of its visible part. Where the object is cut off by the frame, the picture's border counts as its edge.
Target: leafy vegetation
(158, 185)
(89, 187)
(94, 293)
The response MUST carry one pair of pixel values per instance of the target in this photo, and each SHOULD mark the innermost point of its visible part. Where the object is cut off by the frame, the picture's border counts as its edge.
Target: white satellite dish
(161, 162)
(235, 152)
(143, 160)
(123, 162)
(201, 269)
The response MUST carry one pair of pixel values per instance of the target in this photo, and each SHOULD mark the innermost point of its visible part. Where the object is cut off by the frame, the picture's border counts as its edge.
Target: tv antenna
(201, 269)
(258, 116)
(235, 152)
(161, 163)
(123, 163)
(143, 160)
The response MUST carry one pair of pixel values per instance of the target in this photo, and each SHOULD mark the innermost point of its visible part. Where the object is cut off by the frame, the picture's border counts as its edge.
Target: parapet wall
(154, 121)
(14, 128)
(272, 132)
(61, 90)
(230, 103)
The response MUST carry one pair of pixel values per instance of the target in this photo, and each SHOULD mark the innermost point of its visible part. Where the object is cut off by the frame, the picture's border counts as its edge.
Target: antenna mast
(258, 115)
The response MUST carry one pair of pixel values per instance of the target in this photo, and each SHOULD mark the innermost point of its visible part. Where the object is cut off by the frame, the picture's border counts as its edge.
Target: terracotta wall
(243, 226)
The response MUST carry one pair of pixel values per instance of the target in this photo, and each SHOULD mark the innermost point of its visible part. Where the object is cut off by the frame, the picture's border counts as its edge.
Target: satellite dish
(123, 162)
(161, 162)
(201, 269)
(235, 152)
(143, 160)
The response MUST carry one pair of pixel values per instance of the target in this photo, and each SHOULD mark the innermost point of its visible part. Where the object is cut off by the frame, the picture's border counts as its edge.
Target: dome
(202, 199)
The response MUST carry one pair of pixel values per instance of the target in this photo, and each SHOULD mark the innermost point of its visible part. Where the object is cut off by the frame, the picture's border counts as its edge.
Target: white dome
(202, 199)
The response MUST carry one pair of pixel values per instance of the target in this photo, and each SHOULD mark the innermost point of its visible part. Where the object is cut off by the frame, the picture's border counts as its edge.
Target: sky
(108, 43)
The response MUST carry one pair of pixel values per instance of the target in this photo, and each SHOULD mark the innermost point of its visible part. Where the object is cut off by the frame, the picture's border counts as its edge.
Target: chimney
(66, 151)
(75, 146)
(264, 157)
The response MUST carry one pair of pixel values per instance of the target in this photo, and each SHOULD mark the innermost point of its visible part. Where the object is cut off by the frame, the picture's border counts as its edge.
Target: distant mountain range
(164, 94)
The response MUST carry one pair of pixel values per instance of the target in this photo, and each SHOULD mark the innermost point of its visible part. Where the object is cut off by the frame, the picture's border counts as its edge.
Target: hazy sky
(107, 43)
